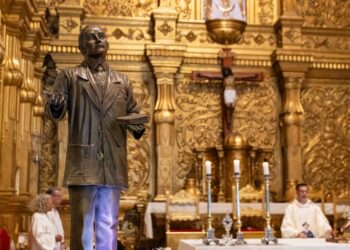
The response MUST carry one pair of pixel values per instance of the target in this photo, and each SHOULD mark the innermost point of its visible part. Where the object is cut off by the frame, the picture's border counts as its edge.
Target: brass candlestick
(239, 237)
(210, 236)
(268, 230)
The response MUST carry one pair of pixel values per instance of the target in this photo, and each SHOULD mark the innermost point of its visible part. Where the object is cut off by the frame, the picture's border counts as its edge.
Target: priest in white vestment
(304, 219)
(54, 216)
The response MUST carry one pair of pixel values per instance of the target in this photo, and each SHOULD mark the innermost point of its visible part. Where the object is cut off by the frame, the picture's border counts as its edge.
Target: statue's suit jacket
(96, 150)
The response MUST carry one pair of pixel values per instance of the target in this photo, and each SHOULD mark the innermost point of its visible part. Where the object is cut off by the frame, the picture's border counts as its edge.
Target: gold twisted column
(164, 118)
(291, 64)
(12, 80)
(165, 57)
(292, 119)
(5, 172)
(165, 132)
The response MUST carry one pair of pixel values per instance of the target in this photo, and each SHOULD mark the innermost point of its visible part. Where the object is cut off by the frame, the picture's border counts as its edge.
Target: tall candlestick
(268, 230)
(266, 169)
(239, 235)
(236, 167)
(208, 167)
(210, 236)
(209, 199)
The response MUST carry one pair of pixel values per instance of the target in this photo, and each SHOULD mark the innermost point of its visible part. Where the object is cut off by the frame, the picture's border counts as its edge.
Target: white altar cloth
(217, 208)
(255, 244)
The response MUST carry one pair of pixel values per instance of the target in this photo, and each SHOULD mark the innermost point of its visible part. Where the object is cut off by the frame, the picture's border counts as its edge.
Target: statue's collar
(82, 72)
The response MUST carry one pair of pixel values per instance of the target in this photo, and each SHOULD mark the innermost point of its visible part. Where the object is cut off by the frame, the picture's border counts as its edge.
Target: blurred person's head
(42, 203)
(302, 191)
(56, 196)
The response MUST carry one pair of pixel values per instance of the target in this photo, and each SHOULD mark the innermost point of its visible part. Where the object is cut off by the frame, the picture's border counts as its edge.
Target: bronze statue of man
(94, 95)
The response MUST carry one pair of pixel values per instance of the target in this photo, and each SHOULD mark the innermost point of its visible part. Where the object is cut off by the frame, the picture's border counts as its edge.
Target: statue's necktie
(101, 76)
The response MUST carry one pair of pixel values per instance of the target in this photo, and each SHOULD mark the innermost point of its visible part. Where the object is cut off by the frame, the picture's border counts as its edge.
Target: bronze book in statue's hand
(133, 119)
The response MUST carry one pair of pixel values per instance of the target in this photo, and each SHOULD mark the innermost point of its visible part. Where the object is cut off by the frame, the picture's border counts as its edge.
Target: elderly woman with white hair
(42, 229)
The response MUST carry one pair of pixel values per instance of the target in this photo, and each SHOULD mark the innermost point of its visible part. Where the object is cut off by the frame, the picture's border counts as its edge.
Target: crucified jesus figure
(229, 93)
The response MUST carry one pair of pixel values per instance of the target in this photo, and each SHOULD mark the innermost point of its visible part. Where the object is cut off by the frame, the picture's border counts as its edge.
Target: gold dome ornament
(235, 140)
(225, 31)
(225, 20)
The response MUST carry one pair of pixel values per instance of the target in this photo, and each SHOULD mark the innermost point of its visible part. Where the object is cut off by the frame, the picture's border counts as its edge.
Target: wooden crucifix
(228, 78)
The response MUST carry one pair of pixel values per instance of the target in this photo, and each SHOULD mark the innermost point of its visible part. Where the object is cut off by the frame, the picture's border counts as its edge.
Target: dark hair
(300, 185)
(52, 190)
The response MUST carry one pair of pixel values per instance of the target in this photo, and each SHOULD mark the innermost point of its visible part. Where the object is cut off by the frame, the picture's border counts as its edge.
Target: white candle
(208, 167)
(236, 166)
(266, 169)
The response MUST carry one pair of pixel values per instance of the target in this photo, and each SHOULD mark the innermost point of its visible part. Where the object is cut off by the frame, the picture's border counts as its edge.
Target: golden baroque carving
(201, 60)
(139, 8)
(165, 28)
(327, 43)
(293, 34)
(2, 51)
(132, 34)
(198, 122)
(255, 116)
(128, 58)
(27, 93)
(192, 36)
(39, 106)
(330, 65)
(12, 73)
(330, 13)
(258, 39)
(266, 11)
(69, 24)
(139, 151)
(326, 137)
(172, 52)
(290, 57)
(253, 63)
(183, 7)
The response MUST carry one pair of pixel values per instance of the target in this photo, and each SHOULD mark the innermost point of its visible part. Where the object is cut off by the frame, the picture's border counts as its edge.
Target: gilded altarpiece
(326, 135)
(256, 118)
(188, 9)
(198, 123)
(325, 14)
(140, 151)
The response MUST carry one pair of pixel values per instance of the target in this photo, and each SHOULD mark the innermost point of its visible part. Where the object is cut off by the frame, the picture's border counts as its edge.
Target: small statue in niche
(225, 9)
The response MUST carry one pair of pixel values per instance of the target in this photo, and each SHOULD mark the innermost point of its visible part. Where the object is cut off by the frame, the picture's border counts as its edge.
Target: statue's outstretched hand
(57, 99)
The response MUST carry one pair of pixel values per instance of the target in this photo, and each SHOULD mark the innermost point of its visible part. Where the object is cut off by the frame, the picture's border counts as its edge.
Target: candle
(266, 169)
(236, 166)
(208, 167)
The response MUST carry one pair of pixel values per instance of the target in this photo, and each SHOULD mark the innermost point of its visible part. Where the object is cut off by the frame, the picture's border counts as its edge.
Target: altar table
(217, 208)
(255, 244)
